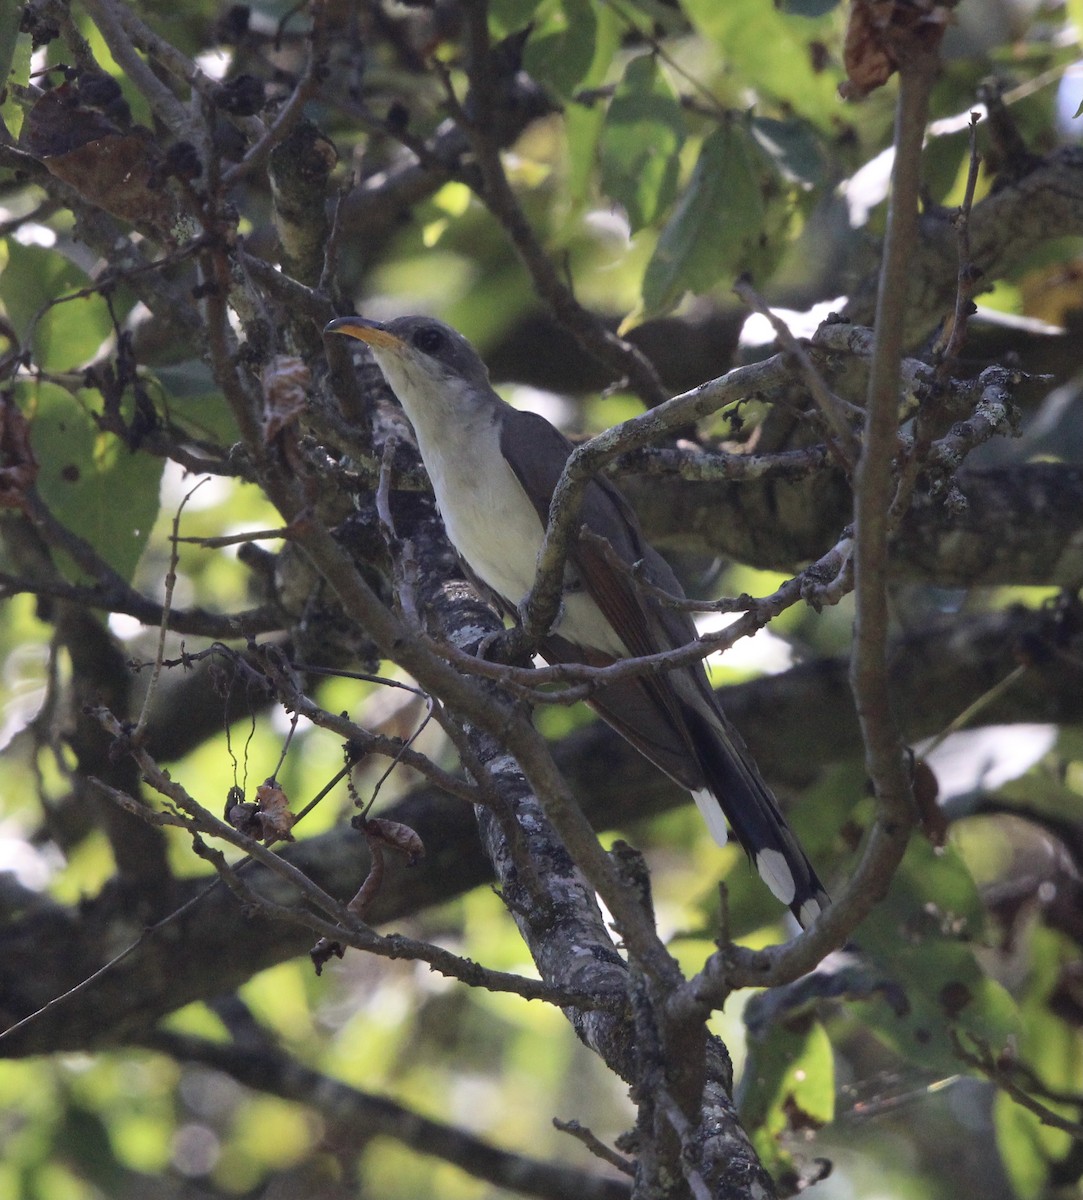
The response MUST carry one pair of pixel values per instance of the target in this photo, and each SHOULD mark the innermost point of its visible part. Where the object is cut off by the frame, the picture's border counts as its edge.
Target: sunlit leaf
(1048, 1045)
(64, 336)
(15, 53)
(561, 47)
(778, 54)
(92, 483)
(641, 142)
(1026, 1146)
(718, 228)
(788, 1084)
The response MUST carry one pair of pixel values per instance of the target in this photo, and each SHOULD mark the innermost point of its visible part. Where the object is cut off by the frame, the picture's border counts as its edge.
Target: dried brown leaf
(882, 35)
(398, 836)
(274, 814)
(368, 891)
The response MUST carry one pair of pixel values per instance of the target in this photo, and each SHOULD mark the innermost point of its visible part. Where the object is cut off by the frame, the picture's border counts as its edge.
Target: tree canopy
(312, 881)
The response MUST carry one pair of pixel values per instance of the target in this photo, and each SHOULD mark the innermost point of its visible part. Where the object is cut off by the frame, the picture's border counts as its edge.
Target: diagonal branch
(357, 1116)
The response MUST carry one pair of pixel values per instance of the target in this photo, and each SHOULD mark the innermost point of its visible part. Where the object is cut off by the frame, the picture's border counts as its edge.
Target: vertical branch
(874, 478)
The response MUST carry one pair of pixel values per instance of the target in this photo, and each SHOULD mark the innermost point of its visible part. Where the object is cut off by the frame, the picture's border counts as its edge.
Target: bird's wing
(613, 542)
(649, 709)
(536, 451)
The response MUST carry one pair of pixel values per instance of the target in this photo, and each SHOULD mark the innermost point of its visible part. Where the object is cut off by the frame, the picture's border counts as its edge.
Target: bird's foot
(506, 646)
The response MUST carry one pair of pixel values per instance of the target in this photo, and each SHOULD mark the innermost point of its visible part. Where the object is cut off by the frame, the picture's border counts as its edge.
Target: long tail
(735, 788)
(675, 721)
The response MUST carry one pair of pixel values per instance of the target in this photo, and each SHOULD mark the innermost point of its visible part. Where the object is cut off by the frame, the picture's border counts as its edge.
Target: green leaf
(92, 483)
(793, 147)
(788, 1084)
(1049, 1046)
(15, 55)
(774, 53)
(641, 142)
(922, 938)
(561, 48)
(718, 229)
(82, 1138)
(192, 398)
(1026, 1146)
(65, 336)
(583, 123)
(507, 16)
(10, 19)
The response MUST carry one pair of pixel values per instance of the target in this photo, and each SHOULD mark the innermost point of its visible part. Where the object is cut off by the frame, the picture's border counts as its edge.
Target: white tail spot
(776, 873)
(810, 910)
(711, 812)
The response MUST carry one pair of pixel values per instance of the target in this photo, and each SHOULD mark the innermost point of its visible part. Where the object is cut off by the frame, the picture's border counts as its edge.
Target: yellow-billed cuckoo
(494, 470)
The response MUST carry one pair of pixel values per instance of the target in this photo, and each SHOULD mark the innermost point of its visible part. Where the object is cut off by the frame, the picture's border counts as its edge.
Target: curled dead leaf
(882, 35)
(926, 792)
(274, 814)
(81, 132)
(244, 817)
(368, 891)
(323, 951)
(398, 836)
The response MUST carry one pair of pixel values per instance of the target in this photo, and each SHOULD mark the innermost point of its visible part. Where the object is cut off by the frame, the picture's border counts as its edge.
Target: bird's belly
(496, 529)
(498, 538)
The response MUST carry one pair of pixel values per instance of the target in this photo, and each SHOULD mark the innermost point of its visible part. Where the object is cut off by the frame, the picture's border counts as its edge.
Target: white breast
(488, 516)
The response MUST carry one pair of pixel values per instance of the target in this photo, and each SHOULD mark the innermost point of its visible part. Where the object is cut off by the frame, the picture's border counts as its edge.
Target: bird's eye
(429, 339)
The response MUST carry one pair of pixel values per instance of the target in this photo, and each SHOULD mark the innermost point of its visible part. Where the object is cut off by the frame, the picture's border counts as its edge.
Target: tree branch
(357, 1116)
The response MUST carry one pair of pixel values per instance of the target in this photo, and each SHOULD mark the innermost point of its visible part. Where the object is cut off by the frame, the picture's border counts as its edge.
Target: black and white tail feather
(736, 792)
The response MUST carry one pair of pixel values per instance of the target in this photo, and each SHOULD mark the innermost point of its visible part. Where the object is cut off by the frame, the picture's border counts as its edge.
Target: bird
(493, 470)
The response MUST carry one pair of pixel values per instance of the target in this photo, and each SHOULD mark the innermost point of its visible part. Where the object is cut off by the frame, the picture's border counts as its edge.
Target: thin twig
(822, 583)
(985, 1061)
(120, 598)
(736, 966)
(167, 604)
(873, 487)
(282, 533)
(988, 697)
(838, 414)
(291, 113)
(595, 1145)
(964, 290)
(121, 30)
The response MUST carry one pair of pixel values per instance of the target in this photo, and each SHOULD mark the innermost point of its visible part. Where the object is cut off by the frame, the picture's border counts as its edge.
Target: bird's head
(430, 367)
